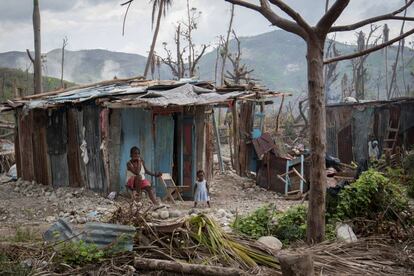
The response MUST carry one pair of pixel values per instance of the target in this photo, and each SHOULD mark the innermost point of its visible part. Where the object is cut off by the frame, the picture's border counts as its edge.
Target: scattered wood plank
(185, 268)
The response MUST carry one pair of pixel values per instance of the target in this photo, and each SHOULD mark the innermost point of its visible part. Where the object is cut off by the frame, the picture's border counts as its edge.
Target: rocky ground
(31, 205)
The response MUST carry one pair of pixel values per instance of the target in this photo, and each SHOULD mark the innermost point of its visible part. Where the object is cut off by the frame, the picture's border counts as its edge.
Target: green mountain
(277, 57)
(16, 78)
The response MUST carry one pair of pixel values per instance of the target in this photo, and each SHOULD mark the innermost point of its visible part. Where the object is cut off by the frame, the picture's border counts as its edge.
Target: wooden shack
(350, 126)
(81, 137)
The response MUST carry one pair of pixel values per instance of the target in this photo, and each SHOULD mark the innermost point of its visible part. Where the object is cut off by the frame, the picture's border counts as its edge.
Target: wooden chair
(172, 191)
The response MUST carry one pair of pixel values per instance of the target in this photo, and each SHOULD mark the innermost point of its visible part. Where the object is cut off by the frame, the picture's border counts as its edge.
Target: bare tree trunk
(38, 52)
(317, 117)
(226, 46)
(190, 42)
(154, 39)
(178, 43)
(64, 44)
(216, 64)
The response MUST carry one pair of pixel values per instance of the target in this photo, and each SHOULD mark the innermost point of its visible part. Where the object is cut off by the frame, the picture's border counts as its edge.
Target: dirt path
(29, 205)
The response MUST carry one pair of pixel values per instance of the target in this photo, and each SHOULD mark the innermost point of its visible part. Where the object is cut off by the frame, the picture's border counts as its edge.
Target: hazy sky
(91, 24)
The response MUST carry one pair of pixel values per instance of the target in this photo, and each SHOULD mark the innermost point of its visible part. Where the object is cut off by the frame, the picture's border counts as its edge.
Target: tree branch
(293, 14)
(272, 17)
(326, 22)
(30, 56)
(389, 16)
(370, 50)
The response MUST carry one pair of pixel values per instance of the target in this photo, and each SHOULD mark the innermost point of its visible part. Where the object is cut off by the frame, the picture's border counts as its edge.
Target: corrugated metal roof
(136, 92)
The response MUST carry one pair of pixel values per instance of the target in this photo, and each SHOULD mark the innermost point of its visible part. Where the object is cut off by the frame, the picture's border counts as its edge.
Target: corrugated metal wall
(136, 130)
(57, 140)
(164, 148)
(53, 142)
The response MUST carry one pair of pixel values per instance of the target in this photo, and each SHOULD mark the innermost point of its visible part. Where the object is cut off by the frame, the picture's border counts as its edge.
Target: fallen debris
(185, 268)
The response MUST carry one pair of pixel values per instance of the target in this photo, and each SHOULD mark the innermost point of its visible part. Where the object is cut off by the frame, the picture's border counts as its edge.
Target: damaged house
(81, 137)
(351, 126)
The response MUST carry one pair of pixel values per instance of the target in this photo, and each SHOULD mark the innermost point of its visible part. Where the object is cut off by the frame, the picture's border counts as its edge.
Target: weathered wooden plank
(104, 130)
(26, 145)
(73, 153)
(188, 154)
(17, 146)
(56, 136)
(114, 148)
(236, 137)
(209, 148)
(94, 168)
(40, 156)
(200, 138)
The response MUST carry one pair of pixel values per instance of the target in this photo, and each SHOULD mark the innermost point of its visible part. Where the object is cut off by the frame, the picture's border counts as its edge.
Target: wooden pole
(278, 115)
(38, 51)
(235, 116)
(216, 132)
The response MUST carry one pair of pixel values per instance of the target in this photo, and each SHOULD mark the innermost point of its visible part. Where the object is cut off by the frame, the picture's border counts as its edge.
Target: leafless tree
(64, 44)
(346, 87)
(393, 84)
(182, 65)
(315, 37)
(331, 72)
(240, 71)
(225, 50)
(358, 64)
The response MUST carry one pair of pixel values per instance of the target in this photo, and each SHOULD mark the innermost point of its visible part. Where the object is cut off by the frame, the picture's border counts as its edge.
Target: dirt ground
(30, 205)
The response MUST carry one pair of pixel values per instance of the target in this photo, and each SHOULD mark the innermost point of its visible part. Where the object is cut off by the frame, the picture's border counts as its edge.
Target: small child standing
(201, 189)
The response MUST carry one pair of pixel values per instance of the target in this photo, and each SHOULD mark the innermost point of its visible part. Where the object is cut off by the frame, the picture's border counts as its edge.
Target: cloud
(98, 23)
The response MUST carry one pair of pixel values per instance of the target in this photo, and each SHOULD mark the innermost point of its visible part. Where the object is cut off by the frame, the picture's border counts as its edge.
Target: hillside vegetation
(24, 81)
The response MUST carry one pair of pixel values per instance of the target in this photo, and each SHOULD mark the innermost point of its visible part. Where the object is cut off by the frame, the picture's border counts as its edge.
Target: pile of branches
(372, 256)
(195, 240)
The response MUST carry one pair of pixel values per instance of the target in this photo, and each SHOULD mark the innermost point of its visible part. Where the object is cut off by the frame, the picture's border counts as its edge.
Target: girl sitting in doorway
(136, 181)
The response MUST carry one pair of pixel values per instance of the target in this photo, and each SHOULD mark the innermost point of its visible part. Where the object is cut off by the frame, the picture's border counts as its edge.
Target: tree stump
(296, 265)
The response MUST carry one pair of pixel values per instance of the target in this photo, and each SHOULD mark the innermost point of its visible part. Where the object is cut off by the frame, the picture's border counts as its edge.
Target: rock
(345, 233)
(175, 213)
(271, 242)
(221, 213)
(227, 229)
(52, 197)
(81, 220)
(192, 211)
(28, 263)
(164, 214)
(50, 219)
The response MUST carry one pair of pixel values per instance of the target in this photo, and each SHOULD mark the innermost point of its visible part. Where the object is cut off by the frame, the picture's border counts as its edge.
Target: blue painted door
(164, 148)
(136, 126)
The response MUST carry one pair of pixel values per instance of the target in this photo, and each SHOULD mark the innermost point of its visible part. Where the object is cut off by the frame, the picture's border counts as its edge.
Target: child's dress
(201, 193)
